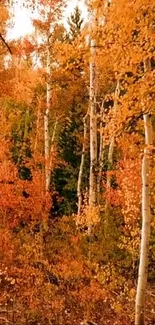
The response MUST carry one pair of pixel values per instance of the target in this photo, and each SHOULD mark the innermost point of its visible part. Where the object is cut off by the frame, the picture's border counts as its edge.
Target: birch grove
(77, 165)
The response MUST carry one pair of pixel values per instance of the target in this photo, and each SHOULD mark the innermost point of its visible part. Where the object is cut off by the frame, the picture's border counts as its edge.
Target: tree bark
(112, 141)
(79, 183)
(110, 160)
(101, 152)
(52, 148)
(37, 131)
(146, 220)
(93, 129)
(46, 119)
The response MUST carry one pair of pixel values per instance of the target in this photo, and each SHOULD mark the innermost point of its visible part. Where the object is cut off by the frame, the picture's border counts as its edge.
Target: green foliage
(69, 151)
(75, 23)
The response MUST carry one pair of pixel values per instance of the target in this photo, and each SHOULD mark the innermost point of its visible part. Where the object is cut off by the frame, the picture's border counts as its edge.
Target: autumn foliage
(57, 267)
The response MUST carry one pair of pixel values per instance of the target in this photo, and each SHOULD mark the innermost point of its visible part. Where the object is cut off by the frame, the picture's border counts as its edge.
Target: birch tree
(146, 217)
(50, 11)
(112, 140)
(101, 152)
(96, 163)
(79, 183)
(93, 123)
(46, 118)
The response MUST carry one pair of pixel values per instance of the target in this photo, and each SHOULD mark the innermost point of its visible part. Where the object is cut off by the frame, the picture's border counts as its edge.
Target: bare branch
(5, 43)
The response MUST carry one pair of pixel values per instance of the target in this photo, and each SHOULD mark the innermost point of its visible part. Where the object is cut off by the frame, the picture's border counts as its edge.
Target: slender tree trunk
(101, 152)
(110, 160)
(52, 148)
(93, 129)
(37, 131)
(79, 183)
(112, 141)
(146, 220)
(46, 119)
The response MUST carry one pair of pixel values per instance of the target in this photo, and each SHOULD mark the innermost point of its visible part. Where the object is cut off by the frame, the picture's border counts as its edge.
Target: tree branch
(5, 43)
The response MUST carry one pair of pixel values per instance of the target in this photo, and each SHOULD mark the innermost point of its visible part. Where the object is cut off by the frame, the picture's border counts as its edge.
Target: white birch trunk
(37, 132)
(52, 149)
(93, 128)
(110, 160)
(46, 119)
(101, 152)
(112, 141)
(146, 219)
(79, 183)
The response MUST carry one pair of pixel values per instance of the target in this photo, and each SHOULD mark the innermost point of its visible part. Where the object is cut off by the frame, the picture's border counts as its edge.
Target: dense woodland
(77, 166)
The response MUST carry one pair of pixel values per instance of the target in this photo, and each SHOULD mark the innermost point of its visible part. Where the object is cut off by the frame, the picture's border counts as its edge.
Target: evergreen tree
(66, 175)
(75, 23)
